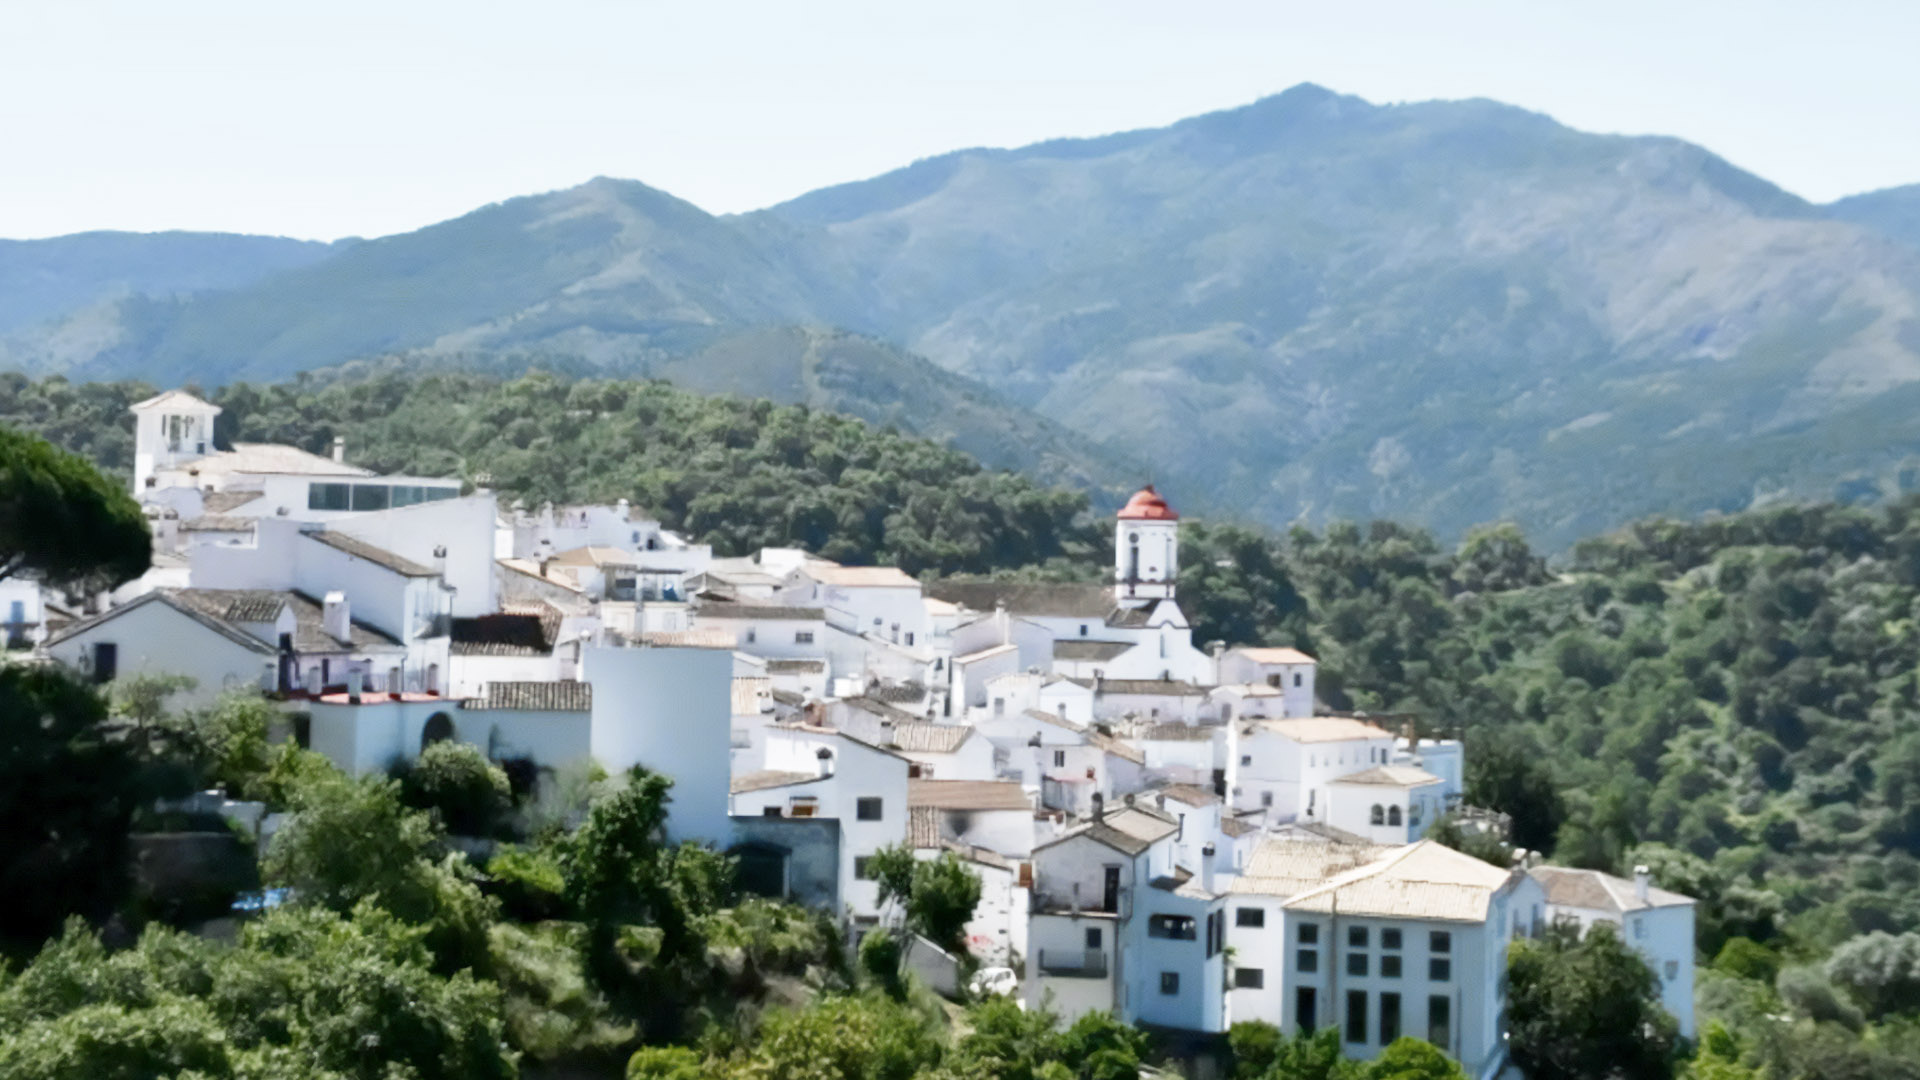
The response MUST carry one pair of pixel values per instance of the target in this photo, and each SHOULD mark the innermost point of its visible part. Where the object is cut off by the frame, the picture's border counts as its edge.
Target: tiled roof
(1273, 656)
(1236, 828)
(236, 605)
(218, 523)
(930, 738)
(895, 693)
(704, 637)
(536, 696)
(1175, 732)
(177, 400)
(768, 778)
(1325, 729)
(1151, 687)
(752, 696)
(731, 610)
(1055, 719)
(788, 697)
(1119, 748)
(272, 458)
(795, 667)
(968, 794)
(1083, 649)
(1191, 794)
(379, 556)
(1287, 866)
(532, 569)
(219, 502)
(860, 576)
(992, 650)
(1595, 891)
(1129, 618)
(1089, 601)
(264, 605)
(923, 826)
(1130, 830)
(506, 634)
(881, 709)
(164, 597)
(1401, 776)
(1420, 881)
(595, 556)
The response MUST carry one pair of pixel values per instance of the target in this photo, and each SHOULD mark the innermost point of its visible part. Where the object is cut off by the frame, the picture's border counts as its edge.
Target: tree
(60, 518)
(455, 781)
(1408, 1058)
(1881, 971)
(232, 737)
(68, 789)
(665, 1063)
(937, 896)
(1587, 1008)
(842, 1038)
(1507, 772)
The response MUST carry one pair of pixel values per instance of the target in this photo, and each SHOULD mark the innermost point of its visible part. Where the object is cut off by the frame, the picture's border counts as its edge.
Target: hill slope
(1308, 307)
(1892, 212)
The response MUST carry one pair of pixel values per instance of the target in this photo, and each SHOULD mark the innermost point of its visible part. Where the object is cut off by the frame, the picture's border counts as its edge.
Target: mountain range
(1309, 307)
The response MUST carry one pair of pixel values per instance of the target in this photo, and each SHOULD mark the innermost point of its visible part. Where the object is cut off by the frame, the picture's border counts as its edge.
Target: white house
(1289, 671)
(1657, 923)
(993, 814)
(23, 616)
(1411, 942)
(1386, 804)
(1283, 766)
(508, 646)
(548, 723)
(670, 710)
(881, 600)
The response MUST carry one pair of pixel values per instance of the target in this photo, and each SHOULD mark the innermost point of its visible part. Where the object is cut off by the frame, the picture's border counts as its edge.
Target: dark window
(1273, 681)
(1250, 916)
(867, 809)
(1307, 961)
(438, 728)
(770, 811)
(1169, 982)
(803, 637)
(1390, 966)
(106, 661)
(1389, 1018)
(370, 497)
(1379, 816)
(328, 496)
(1249, 978)
(1356, 963)
(1440, 941)
(1389, 939)
(1296, 678)
(1177, 927)
(1093, 937)
(1357, 1016)
(1356, 937)
(1083, 629)
(1216, 933)
(1304, 1002)
(1059, 759)
(1440, 1022)
(863, 867)
(1307, 933)
(1440, 969)
(1393, 815)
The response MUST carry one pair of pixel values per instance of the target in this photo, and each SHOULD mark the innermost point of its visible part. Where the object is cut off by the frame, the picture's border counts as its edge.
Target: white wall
(671, 710)
(464, 527)
(155, 639)
(858, 772)
(472, 673)
(1294, 680)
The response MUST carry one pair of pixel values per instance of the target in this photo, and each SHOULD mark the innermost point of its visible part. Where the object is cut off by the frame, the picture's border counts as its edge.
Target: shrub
(456, 781)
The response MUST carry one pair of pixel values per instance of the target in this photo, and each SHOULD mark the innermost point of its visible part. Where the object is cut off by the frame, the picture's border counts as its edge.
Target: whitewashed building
(1657, 923)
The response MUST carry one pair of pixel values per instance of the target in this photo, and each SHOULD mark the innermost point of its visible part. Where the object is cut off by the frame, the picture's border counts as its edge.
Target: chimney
(1413, 737)
(1206, 867)
(355, 683)
(1098, 680)
(1642, 882)
(1099, 807)
(825, 757)
(1003, 622)
(340, 448)
(623, 510)
(336, 618)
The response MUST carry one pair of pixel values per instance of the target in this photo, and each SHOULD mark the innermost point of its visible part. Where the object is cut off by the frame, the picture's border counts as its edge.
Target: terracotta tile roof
(1595, 891)
(889, 577)
(1420, 881)
(595, 556)
(923, 826)
(218, 523)
(236, 605)
(506, 634)
(881, 709)
(265, 605)
(219, 502)
(727, 609)
(1191, 794)
(1151, 687)
(1286, 866)
(1082, 649)
(1401, 776)
(1274, 656)
(535, 697)
(1236, 828)
(924, 738)
(161, 596)
(1088, 601)
(795, 667)
(379, 556)
(1056, 720)
(968, 795)
(1324, 729)
(1130, 830)
(1175, 732)
(707, 637)
(1117, 747)
(768, 778)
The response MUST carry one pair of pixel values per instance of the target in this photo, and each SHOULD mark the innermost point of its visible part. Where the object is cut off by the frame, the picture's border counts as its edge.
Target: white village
(1173, 831)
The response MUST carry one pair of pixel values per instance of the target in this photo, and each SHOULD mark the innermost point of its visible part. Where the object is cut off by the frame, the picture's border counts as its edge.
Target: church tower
(169, 430)
(1146, 550)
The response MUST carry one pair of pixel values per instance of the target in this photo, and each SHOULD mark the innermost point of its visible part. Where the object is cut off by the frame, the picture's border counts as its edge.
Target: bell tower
(1146, 550)
(169, 430)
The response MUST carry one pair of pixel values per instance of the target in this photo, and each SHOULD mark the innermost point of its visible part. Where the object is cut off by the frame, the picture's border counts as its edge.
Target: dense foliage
(738, 473)
(61, 520)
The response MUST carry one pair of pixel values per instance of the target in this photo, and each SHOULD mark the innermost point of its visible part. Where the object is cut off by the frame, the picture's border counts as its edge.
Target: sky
(354, 118)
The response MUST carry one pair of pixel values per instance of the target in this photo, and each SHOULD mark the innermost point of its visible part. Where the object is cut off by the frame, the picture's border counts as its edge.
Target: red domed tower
(1146, 550)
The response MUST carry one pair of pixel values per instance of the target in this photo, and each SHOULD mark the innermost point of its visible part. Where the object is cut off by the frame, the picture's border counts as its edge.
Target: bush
(665, 1063)
(528, 883)
(1748, 959)
(881, 957)
(469, 794)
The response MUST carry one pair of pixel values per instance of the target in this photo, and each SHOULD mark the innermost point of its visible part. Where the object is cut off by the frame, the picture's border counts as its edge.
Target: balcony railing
(1073, 963)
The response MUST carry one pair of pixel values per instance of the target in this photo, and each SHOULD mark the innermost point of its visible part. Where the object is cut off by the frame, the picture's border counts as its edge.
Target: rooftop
(1147, 505)
(506, 634)
(1261, 655)
(752, 696)
(1191, 794)
(379, 556)
(1401, 776)
(968, 795)
(265, 605)
(1324, 729)
(175, 401)
(924, 738)
(768, 778)
(726, 609)
(1081, 649)
(1087, 601)
(1150, 687)
(709, 637)
(1420, 881)
(1286, 866)
(272, 459)
(535, 697)
(870, 577)
(1595, 891)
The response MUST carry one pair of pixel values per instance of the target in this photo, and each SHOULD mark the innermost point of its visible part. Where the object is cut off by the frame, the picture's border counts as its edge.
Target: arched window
(1379, 814)
(438, 728)
(1393, 815)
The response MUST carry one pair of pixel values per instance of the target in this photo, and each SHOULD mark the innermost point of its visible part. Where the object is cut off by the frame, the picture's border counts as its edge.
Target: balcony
(1073, 963)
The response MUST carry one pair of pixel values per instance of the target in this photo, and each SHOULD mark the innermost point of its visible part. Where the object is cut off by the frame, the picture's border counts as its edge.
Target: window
(1296, 678)
(1379, 816)
(1389, 1018)
(1673, 970)
(1093, 937)
(1250, 916)
(867, 809)
(909, 637)
(769, 811)
(1440, 969)
(106, 661)
(1304, 1000)
(1357, 1017)
(371, 497)
(328, 496)
(1177, 927)
(1216, 933)
(1307, 933)
(1440, 1022)
(803, 637)
(1059, 759)
(1356, 937)
(1169, 982)
(1273, 681)
(1393, 815)
(750, 635)
(1440, 941)
(1356, 963)
(1390, 938)
(1249, 979)
(1306, 961)
(1246, 759)
(1266, 800)
(863, 867)
(1083, 629)
(999, 706)
(1390, 966)
(1639, 929)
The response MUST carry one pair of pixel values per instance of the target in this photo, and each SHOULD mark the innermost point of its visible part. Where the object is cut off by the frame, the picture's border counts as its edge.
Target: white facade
(152, 636)
(23, 615)
(1289, 671)
(1384, 804)
(1283, 767)
(1657, 923)
(671, 711)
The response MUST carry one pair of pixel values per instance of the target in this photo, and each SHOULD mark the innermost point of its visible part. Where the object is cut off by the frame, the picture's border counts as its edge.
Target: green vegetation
(1587, 1009)
(62, 520)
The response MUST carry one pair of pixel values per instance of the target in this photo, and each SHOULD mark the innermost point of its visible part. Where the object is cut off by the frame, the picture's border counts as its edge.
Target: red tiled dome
(1147, 505)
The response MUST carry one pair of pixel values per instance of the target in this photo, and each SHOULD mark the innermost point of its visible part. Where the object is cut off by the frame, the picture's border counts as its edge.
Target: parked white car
(994, 980)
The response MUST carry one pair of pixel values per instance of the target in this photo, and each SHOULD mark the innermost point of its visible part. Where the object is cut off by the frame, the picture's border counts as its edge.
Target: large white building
(1657, 923)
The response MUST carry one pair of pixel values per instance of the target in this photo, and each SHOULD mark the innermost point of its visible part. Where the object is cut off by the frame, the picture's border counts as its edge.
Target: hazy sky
(364, 118)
